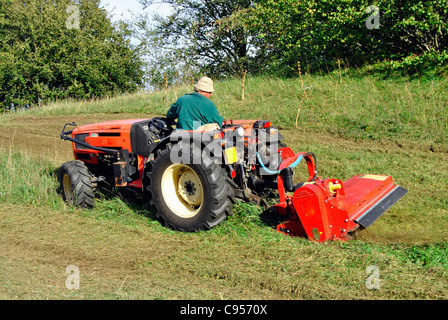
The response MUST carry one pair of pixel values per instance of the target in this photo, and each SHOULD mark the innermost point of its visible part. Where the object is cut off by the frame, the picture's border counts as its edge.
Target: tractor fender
(154, 151)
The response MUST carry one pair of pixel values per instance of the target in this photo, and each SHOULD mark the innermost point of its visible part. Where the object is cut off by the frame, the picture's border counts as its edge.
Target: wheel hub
(189, 188)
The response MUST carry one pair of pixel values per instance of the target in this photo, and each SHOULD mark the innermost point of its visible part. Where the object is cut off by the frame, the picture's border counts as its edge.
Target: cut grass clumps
(120, 244)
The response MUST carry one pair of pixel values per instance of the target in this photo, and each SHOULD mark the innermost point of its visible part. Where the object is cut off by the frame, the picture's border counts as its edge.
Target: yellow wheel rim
(68, 191)
(182, 190)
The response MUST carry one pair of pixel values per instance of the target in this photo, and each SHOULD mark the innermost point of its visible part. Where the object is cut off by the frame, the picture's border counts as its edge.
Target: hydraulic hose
(292, 166)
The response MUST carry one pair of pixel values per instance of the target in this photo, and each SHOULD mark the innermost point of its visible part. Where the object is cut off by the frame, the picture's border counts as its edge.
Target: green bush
(52, 50)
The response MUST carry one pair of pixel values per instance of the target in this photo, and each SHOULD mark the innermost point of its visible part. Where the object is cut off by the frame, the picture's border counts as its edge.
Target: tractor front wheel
(76, 185)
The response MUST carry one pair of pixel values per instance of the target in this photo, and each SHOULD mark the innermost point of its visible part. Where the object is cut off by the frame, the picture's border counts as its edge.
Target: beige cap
(205, 84)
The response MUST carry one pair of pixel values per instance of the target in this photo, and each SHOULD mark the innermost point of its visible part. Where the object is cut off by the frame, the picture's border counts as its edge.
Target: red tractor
(193, 178)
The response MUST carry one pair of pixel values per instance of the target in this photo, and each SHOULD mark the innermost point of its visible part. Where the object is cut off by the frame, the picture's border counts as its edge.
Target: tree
(196, 37)
(322, 33)
(59, 49)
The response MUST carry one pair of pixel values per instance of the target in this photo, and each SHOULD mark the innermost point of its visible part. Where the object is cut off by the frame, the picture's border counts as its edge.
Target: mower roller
(193, 178)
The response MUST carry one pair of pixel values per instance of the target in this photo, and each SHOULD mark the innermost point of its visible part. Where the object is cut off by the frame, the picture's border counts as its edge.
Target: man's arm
(173, 113)
(216, 117)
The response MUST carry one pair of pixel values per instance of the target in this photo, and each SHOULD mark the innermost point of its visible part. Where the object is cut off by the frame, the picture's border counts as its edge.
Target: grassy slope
(354, 125)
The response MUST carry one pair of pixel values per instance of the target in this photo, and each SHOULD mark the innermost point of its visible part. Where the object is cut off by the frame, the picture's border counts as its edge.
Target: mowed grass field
(354, 125)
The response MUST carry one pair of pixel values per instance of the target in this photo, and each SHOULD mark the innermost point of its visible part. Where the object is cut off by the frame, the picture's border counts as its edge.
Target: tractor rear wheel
(76, 185)
(188, 197)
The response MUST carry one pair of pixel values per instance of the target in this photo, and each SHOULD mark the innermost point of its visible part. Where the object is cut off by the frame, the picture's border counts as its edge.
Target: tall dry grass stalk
(243, 84)
(304, 95)
(165, 87)
(340, 70)
(175, 88)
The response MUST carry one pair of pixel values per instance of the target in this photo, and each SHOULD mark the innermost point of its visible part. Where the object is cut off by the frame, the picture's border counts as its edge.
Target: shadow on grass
(271, 219)
(139, 202)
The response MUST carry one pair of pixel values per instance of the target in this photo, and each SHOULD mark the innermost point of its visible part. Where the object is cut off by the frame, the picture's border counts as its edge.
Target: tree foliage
(272, 36)
(194, 37)
(58, 49)
(321, 33)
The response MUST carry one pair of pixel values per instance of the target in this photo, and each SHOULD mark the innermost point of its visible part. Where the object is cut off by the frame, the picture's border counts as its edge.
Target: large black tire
(76, 185)
(188, 197)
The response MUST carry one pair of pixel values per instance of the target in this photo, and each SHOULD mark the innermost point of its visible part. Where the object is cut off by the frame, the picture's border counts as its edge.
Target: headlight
(240, 131)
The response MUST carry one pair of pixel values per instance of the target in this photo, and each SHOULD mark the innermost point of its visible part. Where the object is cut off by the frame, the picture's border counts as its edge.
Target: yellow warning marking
(230, 156)
(375, 177)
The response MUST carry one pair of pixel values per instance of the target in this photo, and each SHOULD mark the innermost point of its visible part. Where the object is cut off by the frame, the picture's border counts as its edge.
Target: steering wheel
(164, 125)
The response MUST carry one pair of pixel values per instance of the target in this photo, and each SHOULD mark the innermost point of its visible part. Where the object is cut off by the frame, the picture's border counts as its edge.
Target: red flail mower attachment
(332, 209)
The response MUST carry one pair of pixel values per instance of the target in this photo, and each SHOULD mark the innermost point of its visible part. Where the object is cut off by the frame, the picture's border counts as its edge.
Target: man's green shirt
(194, 110)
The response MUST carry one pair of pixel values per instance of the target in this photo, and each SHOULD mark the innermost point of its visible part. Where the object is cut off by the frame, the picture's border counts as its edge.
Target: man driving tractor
(195, 111)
